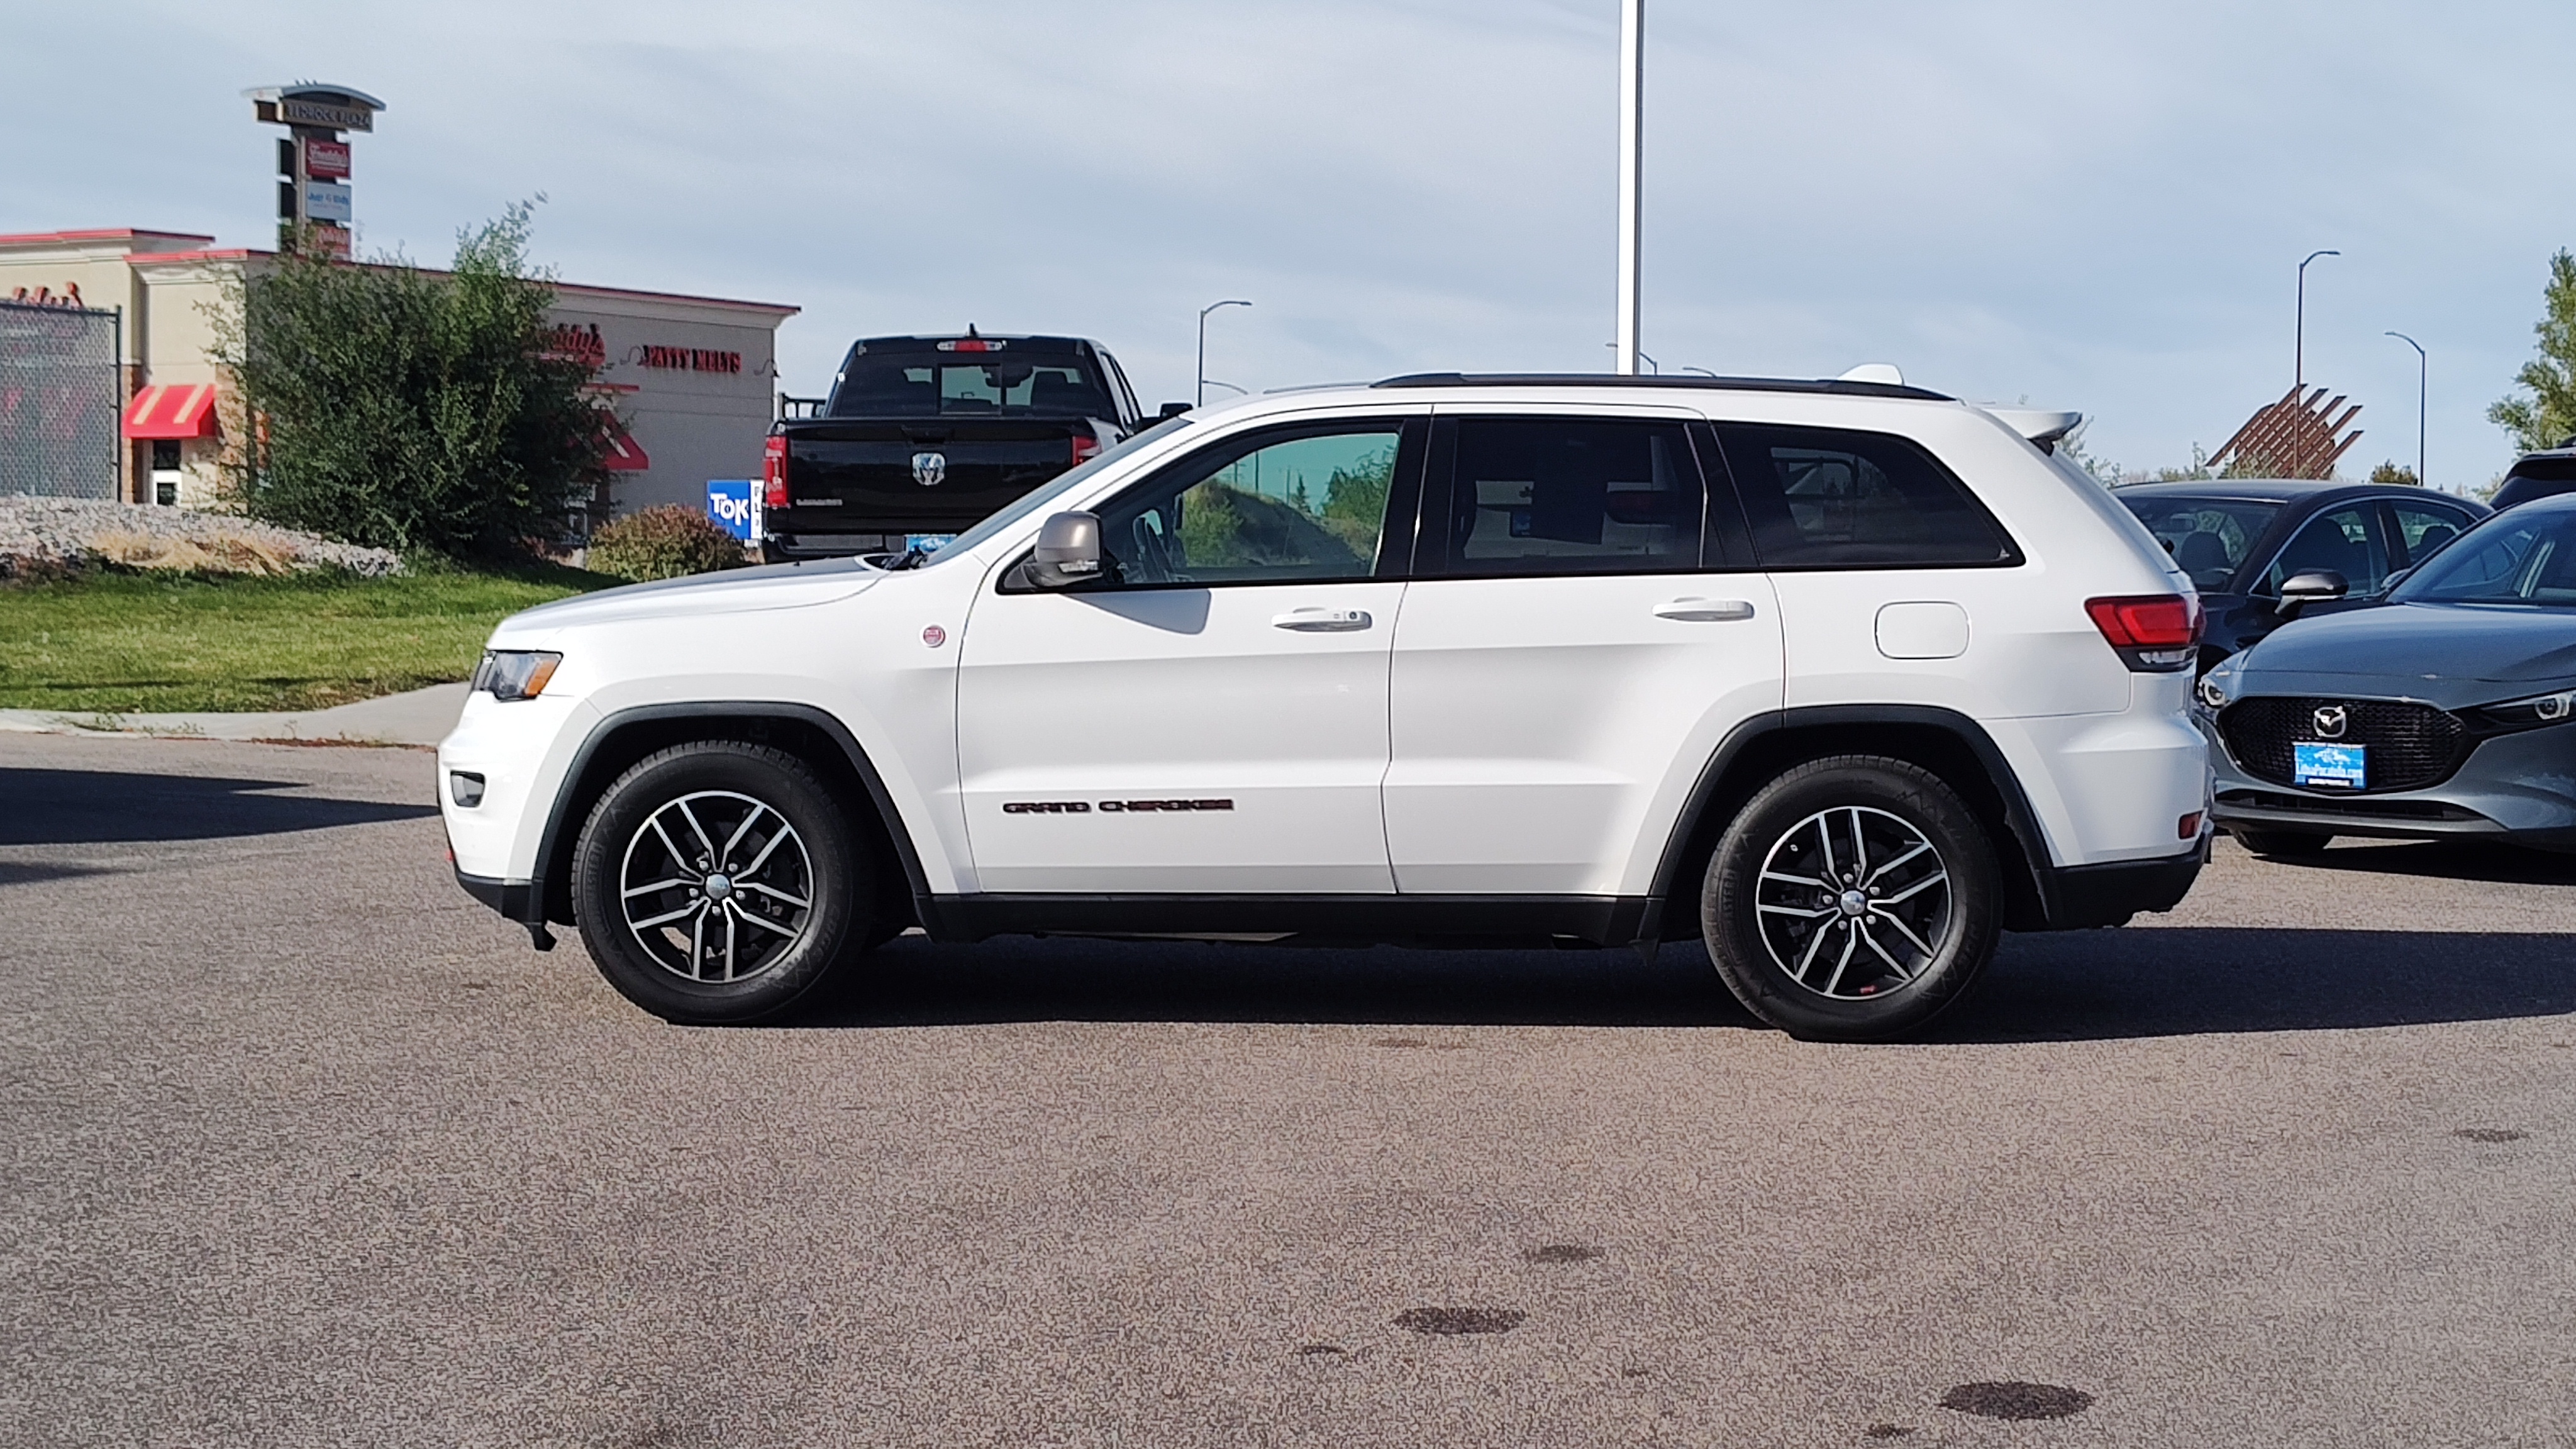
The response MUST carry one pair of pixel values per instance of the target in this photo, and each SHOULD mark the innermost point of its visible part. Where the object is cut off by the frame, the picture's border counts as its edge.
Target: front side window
(1304, 504)
(2346, 541)
(1835, 498)
(1571, 496)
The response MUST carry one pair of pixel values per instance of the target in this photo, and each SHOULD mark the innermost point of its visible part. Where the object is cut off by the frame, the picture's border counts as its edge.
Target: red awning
(624, 454)
(182, 411)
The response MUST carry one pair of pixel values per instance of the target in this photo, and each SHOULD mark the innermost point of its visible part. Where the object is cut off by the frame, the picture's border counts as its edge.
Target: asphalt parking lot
(304, 1147)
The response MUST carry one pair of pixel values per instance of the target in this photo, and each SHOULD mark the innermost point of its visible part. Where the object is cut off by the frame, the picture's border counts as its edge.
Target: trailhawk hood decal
(733, 591)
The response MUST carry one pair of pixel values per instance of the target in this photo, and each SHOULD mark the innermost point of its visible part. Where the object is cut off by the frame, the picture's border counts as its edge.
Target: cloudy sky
(2087, 206)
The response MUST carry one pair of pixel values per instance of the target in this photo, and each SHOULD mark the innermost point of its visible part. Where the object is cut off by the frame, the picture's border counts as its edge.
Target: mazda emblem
(930, 469)
(2330, 721)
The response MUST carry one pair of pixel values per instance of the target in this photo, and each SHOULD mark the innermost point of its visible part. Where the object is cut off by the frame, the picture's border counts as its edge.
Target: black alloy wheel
(716, 882)
(1852, 899)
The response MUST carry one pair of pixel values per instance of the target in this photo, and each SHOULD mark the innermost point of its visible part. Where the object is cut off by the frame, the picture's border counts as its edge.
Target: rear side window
(2425, 528)
(1570, 496)
(1834, 498)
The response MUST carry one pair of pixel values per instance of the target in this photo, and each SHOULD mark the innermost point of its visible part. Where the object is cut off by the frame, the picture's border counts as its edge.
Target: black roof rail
(1832, 385)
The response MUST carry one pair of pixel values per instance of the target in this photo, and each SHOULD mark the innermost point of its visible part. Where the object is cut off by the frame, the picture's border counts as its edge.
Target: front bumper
(2518, 788)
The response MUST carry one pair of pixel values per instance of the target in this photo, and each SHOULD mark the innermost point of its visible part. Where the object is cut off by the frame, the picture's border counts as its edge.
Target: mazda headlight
(2525, 714)
(2213, 695)
(515, 673)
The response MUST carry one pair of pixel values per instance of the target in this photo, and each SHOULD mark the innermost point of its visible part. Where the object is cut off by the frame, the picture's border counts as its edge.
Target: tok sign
(733, 504)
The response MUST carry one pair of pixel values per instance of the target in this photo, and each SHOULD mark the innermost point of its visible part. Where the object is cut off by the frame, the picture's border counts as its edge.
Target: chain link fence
(59, 401)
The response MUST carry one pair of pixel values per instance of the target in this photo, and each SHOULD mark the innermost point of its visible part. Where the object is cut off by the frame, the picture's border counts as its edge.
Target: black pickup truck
(923, 437)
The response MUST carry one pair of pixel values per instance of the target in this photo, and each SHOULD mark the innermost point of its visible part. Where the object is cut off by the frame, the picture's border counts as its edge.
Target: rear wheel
(1852, 899)
(2280, 842)
(716, 882)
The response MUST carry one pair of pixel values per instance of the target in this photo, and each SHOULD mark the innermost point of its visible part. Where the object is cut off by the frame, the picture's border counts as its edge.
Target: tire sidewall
(775, 779)
(1730, 928)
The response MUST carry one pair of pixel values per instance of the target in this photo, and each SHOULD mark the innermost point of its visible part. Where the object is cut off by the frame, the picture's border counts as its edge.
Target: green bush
(408, 409)
(662, 542)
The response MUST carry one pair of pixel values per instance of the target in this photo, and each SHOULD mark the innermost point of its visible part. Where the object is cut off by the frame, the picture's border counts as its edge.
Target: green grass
(136, 643)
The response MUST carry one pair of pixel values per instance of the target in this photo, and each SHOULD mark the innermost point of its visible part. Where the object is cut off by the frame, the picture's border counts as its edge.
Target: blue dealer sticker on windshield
(2338, 766)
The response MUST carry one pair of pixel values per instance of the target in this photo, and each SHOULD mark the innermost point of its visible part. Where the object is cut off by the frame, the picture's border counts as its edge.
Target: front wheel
(1852, 899)
(716, 882)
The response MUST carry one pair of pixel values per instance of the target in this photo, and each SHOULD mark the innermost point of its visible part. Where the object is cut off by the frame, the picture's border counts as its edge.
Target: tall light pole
(1632, 178)
(2423, 376)
(2299, 367)
(1203, 377)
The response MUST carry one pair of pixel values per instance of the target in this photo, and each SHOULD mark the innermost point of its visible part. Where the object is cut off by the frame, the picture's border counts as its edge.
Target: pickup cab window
(925, 385)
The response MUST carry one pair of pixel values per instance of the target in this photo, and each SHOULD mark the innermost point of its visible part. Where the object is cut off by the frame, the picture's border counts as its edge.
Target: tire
(2279, 842)
(794, 901)
(1913, 923)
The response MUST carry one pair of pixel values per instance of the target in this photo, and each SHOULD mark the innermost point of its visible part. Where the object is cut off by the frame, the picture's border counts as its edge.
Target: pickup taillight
(773, 472)
(1085, 446)
(2151, 632)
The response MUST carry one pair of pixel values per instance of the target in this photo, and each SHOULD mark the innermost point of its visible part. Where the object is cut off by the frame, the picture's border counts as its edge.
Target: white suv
(1842, 676)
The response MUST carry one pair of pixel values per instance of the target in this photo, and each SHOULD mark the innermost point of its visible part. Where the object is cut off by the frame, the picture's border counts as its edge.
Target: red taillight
(2150, 631)
(773, 472)
(1084, 446)
(2151, 621)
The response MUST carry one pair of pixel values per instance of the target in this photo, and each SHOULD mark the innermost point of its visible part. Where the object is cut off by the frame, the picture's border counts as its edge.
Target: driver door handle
(1322, 621)
(1697, 610)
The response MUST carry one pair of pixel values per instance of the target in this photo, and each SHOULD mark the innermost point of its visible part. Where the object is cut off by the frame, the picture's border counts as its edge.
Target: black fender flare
(1718, 776)
(554, 847)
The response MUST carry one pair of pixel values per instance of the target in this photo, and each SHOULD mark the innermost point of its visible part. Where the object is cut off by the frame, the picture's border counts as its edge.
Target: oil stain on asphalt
(2491, 1134)
(2015, 1400)
(1562, 1253)
(1447, 1321)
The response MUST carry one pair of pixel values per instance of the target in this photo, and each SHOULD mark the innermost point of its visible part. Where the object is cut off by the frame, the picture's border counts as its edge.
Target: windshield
(2207, 537)
(2525, 557)
(1049, 491)
(916, 384)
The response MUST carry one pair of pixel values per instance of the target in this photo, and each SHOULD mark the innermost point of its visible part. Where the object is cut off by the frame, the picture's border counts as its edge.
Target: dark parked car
(2448, 709)
(923, 437)
(2539, 475)
(2239, 539)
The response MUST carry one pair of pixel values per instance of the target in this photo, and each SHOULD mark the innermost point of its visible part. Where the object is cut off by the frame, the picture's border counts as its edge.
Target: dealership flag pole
(1632, 142)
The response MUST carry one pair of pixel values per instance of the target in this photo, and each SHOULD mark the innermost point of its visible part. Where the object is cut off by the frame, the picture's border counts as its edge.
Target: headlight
(2213, 695)
(515, 673)
(2523, 714)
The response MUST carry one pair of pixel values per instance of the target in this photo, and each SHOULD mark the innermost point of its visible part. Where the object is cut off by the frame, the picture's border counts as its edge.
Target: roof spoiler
(2044, 427)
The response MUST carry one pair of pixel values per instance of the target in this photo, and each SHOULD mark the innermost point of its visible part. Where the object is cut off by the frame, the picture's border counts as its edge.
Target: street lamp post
(1203, 314)
(2299, 343)
(2423, 376)
(1632, 178)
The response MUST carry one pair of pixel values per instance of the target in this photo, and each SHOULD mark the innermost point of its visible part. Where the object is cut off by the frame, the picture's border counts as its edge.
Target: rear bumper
(509, 897)
(2080, 897)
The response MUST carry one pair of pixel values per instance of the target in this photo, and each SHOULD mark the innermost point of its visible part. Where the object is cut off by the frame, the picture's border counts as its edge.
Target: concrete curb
(419, 717)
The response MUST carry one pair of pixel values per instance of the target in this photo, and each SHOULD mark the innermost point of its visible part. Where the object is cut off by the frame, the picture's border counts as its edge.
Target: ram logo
(930, 469)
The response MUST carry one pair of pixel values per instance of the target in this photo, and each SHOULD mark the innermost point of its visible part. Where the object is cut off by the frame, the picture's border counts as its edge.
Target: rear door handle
(1322, 621)
(1705, 611)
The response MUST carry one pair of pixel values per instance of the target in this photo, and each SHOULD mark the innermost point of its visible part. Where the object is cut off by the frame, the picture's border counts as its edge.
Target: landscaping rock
(46, 537)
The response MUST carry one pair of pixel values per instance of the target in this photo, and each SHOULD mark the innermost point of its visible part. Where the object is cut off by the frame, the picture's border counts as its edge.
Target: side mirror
(1171, 411)
(2312, 587)
(1068, 551)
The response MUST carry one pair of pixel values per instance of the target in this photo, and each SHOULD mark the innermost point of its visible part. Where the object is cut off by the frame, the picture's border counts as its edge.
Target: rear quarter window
(1840, 498)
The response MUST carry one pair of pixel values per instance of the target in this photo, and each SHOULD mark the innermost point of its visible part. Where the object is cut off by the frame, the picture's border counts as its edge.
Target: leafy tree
(2092, 465)
(408, 409)
(1355, 498)
(2395, 474)
(2546, 417)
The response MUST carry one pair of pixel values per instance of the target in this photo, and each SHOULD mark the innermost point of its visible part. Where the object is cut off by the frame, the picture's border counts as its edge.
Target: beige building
(692, 379)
